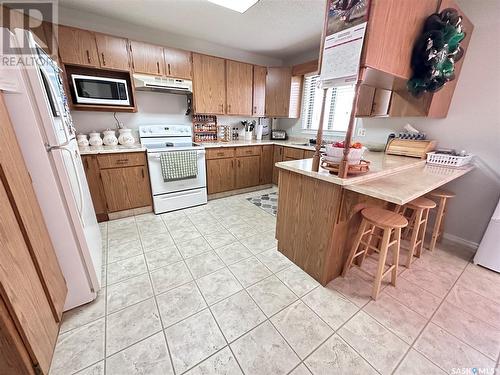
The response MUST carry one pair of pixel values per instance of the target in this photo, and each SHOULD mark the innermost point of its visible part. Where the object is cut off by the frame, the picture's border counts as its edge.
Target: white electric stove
(173, 195)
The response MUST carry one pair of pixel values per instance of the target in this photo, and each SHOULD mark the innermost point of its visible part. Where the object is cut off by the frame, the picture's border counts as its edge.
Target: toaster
(279, 134)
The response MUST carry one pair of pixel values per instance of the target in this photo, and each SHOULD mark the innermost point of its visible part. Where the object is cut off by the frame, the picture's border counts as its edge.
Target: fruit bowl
(335, 153)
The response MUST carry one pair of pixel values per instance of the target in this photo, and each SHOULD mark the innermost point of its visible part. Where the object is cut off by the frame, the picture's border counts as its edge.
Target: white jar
(126, 138)
(109, 138)
(95, 139)
(82, 140)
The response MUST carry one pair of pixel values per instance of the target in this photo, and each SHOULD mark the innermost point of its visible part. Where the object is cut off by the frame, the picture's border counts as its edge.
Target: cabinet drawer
(293, 153)
(129, 159)
(248, 151)
(219, 153)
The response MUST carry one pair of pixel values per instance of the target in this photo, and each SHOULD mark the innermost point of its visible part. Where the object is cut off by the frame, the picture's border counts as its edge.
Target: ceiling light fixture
(240, 6)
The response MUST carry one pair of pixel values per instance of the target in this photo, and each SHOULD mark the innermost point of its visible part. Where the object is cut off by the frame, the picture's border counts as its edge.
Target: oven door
(158, 186)
(100, 90)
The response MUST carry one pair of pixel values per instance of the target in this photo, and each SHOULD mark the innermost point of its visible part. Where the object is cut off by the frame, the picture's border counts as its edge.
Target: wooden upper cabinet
(259, 91)
(113, 52)
(178, 63)
(239, 88)
(209, 84)
(77, 46)
(393, 28)
(147, 58)
(278, 85)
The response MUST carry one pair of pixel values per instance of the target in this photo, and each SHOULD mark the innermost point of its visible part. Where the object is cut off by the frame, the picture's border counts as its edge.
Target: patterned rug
(268, 202)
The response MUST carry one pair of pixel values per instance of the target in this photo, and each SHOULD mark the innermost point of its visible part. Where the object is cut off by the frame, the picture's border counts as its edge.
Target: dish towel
(178, 165)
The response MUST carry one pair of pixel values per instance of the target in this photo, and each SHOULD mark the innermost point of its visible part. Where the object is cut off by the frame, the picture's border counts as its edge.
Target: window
(337, 109)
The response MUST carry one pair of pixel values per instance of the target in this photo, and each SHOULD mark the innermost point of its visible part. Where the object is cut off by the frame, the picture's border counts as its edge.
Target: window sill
(332, 133)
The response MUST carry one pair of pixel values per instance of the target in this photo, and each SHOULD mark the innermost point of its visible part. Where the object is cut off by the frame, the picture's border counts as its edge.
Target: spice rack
(205, 128)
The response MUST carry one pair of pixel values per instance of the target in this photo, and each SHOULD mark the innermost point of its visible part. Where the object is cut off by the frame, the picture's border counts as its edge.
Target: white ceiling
(275, 28)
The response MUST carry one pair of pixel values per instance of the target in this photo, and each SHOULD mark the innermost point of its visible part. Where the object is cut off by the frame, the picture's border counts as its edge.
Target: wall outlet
(361, 132)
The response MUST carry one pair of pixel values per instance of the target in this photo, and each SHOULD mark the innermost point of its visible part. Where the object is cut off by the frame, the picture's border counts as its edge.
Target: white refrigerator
(38, 109)
(488, 253)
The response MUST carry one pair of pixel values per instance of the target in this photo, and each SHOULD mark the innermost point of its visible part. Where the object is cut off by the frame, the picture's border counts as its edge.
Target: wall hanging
(436, 51)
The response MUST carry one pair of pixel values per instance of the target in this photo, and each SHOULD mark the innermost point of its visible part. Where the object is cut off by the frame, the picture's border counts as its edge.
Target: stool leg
(421, 233)
(381, 263)
(441, 227)
(437, 224)
(414, 235)
(366, 248)
(395, 256)
(354, 248)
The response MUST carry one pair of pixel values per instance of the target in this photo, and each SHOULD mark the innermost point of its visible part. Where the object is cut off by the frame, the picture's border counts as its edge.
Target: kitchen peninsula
(319, 213)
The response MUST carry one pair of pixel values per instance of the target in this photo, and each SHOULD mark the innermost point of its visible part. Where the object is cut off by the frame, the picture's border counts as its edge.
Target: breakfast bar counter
(319, 213)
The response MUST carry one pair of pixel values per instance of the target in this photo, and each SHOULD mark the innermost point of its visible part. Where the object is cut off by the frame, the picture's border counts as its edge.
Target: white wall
(473, 123)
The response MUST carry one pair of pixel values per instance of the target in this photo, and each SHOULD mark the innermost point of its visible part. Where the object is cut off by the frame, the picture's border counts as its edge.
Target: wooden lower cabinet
(117, 182)
(247, 171)
(220, 175)
(277, 157)
(125, 188)
(266, 165)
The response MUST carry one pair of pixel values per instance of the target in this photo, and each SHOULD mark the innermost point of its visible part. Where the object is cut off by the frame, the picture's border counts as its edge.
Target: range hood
(162, 84)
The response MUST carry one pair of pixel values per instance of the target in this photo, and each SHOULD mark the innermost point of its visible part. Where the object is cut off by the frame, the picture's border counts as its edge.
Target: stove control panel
(165, 131)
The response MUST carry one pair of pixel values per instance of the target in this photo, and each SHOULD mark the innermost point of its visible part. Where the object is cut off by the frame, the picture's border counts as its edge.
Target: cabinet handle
(88, 56)
(142, 172)
(239, 163)
(255, 109)
(228, 108)
(248, 151)
(103, 60)
(169, 73)
(220, 154)
(232, 163)
(158, 66)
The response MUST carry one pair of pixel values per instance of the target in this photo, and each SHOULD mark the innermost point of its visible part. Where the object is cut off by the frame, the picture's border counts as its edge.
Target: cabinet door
(147, 58)
(308, 154)
(239, 88)
(247, 171)
(126, 188)
(113, 52)
(277, 157)
(259, 91)
(266, 165)
(209, 84)
(91, 167)
(77, 46)
(220, 175)
(278, 85)
(177, 63)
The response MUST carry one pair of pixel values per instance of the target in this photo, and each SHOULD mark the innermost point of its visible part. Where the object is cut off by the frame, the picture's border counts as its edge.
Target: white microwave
(100, 90)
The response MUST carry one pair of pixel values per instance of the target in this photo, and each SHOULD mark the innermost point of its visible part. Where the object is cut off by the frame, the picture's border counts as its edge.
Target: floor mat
(268, 202)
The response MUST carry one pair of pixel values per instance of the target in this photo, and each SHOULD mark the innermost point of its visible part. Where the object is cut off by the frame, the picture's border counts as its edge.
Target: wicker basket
(448, 160)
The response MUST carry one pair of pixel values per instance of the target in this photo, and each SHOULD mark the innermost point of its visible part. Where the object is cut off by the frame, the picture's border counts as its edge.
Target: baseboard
(462, 241)
(238, 191)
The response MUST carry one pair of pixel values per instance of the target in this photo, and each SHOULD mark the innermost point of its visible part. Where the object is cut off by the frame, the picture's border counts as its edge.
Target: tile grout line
(156, 303)
(429, 321)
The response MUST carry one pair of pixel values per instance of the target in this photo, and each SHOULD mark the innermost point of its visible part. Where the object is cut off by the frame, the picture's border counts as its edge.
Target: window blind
(337, 108)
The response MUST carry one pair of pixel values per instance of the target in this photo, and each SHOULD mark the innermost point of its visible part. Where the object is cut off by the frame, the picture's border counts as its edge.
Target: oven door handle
(156, 155)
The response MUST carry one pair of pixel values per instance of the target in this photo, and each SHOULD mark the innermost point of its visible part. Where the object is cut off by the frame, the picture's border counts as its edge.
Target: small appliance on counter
(277, 134)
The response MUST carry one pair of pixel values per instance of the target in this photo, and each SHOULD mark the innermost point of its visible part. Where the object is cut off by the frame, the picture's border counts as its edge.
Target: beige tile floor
(204, 291)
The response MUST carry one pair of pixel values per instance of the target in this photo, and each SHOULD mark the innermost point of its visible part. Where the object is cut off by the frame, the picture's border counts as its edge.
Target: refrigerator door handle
(79, 182)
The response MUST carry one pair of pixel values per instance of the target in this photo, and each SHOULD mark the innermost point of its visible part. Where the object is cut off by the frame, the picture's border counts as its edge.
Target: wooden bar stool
(443, 196)
(418, 225)
(391, 224)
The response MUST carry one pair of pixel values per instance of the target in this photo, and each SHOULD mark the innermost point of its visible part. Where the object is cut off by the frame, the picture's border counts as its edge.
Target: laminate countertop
(396, 179)
(94, 150)
(241, 143)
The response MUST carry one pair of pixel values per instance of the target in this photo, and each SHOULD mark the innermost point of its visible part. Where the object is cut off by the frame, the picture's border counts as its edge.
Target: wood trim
(305, 68)
(16, 178)
(14, 358)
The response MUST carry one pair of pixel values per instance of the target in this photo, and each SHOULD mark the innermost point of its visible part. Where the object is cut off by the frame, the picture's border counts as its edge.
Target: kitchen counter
(319, 213)
(380, 165)
(93, 150)
(241, 143)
